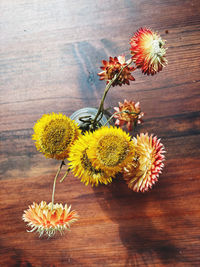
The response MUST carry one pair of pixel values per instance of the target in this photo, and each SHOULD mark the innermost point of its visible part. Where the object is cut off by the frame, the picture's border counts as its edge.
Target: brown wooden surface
(50, 52)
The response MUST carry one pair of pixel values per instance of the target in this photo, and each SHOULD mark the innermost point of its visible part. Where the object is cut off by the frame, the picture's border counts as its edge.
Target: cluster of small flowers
(148, 54)
(96, 157)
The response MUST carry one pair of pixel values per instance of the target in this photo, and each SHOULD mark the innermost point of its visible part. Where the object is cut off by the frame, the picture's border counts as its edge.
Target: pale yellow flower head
(45, 220)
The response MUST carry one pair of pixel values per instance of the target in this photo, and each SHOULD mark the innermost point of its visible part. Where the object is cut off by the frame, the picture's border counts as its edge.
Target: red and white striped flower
(144, 171)
(148, 52)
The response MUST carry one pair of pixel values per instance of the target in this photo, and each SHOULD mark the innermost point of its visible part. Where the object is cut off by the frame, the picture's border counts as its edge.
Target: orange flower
(147, 51)
(112, 67)
(131, 114)
(144, 171)
(45, 220)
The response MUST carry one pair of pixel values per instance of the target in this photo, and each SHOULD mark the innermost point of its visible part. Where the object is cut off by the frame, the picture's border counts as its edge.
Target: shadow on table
(144, 239)
(88, 59)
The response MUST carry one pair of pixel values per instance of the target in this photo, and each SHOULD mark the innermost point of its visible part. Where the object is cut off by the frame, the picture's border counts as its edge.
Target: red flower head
(112, 67)
(144, 170)
(147, 51)
(130, 114)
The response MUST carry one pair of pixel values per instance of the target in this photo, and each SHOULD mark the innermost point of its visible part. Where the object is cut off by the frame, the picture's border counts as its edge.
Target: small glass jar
(83, 116)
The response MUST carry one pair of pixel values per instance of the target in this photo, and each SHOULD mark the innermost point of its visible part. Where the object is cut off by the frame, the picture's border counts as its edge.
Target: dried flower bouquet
(96, 153)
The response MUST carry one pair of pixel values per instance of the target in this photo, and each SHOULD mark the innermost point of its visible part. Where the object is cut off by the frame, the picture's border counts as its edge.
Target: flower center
(127, 116)
(157, 47)
(57, 136)
(156, 44)
(112, 150)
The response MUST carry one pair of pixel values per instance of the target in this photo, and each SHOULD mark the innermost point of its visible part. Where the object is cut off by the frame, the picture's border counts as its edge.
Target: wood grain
(50, 52)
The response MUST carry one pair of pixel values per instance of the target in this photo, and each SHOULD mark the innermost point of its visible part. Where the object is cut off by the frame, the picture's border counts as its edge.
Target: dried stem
(54, 184)
(101, 107)
(63, 178)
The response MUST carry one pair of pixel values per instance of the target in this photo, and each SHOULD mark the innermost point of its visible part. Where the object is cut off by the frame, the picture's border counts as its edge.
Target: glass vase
(83, 117)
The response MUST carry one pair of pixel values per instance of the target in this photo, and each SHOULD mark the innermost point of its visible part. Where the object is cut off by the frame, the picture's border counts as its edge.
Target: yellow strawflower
(81, 165)
(110, 149)
(54, 134)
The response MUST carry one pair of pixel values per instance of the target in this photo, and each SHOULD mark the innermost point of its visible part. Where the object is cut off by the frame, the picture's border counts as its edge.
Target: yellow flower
(144, 171)
(110, 149)
(54, 134)
(148, 52)
(81, 165)
(42, 219)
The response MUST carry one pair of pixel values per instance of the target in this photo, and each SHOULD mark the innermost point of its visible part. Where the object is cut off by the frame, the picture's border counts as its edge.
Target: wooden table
(51, 52)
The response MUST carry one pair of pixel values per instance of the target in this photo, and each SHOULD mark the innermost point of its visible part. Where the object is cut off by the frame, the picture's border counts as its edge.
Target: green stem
(100, 110)
(54, 184)
(63, 178)
(101, 107)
